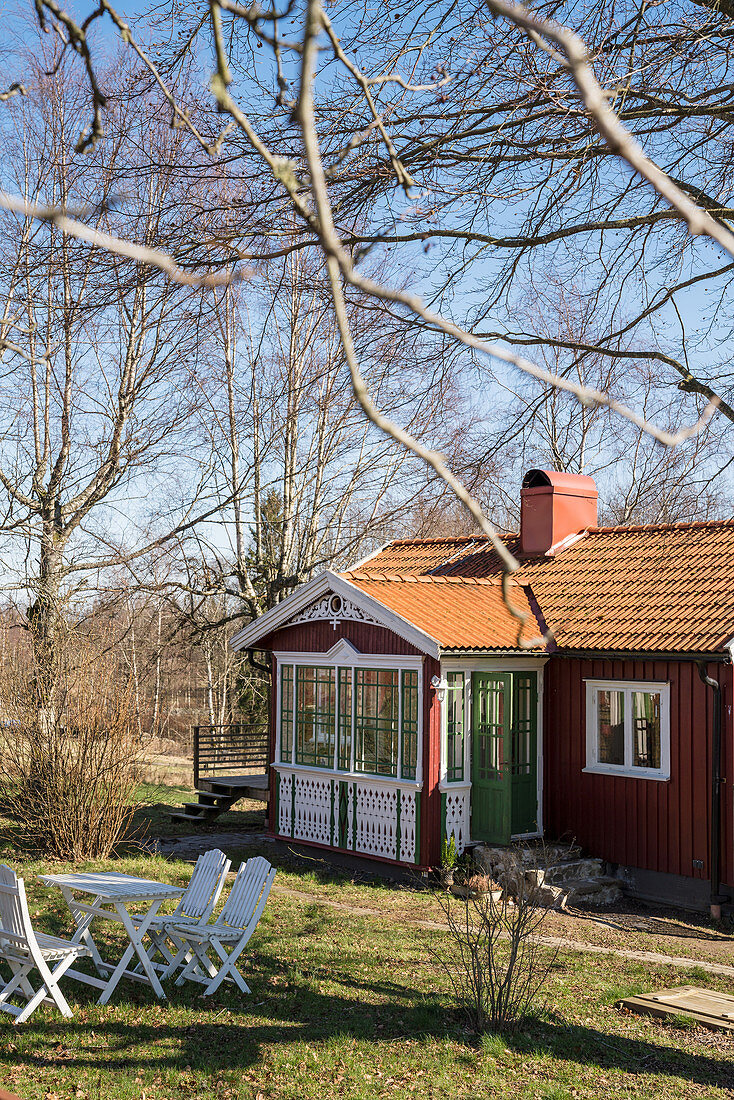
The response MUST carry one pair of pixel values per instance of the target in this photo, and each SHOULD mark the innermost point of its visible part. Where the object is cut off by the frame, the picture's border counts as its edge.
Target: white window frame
(343, 655)
(593, 764)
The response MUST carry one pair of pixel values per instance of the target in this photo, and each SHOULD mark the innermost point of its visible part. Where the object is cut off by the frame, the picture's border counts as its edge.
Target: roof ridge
(435, 539)
(418, 578)
(679, 525)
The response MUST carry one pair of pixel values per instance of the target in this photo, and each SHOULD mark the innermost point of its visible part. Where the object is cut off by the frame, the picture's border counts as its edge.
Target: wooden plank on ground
(712, 1009)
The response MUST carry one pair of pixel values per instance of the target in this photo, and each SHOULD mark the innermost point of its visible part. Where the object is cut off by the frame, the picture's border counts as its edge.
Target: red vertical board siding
(319, 637)
(660, 826)
(726, 678)
(430, 824)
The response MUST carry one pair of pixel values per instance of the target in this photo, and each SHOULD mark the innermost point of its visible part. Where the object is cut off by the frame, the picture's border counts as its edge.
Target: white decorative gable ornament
(334, 609)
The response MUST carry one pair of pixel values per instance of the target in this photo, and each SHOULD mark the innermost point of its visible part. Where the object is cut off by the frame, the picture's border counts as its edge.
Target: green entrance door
(491, 742)
(504, 755)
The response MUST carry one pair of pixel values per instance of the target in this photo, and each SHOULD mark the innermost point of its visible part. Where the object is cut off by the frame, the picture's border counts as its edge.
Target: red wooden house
(405, 708)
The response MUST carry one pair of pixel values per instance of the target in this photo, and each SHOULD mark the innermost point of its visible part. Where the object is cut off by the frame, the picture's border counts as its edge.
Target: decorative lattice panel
(377, 820)
(285, 800)
(312, 808)
(457, 817)
(408, 839)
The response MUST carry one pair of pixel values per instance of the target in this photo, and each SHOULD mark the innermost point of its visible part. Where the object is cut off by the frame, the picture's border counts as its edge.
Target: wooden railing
(235, 749)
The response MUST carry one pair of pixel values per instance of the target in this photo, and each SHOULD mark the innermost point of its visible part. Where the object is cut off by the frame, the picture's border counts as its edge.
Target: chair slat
(206, 877)
(246, 890)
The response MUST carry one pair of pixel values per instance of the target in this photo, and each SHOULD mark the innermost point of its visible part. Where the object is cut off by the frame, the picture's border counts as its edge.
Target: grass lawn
(352, 1006)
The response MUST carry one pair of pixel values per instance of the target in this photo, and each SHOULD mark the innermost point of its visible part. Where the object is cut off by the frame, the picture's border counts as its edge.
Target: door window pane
(523, 749)
(315, 716)
(611, 726)
(455, 727)
(490, 730)
(646, 728)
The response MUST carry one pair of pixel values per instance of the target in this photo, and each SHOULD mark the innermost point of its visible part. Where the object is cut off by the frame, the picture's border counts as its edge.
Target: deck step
(217, 794)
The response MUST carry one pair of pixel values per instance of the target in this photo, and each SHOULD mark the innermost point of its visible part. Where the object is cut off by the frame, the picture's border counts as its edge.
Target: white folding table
(113, 894)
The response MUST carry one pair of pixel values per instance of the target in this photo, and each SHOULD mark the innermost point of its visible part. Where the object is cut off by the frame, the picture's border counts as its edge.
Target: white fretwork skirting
(357, 815)
(456, 804)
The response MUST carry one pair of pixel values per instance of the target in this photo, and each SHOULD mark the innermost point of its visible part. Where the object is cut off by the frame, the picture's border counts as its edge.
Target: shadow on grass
(286, 1008)
(152, 819)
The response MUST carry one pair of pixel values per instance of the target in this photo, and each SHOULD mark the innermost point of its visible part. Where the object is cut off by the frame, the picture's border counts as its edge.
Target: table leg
(83, 919)
(135, 935)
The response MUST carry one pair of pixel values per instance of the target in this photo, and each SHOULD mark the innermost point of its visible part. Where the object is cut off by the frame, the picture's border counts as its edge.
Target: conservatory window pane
(410, 724)
(376, 724)
(455, 727)
(610, 728)
(286, 713)
(646, 719)
(315, 716)
(345, 719)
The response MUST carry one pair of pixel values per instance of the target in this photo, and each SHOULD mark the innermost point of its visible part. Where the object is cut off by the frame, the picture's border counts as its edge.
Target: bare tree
(379, 123)
(95, 353)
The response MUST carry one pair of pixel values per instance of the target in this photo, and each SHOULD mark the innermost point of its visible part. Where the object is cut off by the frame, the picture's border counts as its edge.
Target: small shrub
(492, 956)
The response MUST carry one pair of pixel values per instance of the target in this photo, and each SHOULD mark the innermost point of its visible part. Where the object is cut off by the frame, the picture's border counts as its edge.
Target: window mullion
(629, 752)
(353, 738)
(337, 711)
(399, 771)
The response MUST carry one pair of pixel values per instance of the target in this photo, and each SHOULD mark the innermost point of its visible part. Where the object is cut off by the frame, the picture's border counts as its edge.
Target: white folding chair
(234, 926)
(195, 907)
(25, 950)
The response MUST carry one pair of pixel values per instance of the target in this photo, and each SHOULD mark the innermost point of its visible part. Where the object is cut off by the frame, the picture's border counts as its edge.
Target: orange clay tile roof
(459, 613)
(662, 588)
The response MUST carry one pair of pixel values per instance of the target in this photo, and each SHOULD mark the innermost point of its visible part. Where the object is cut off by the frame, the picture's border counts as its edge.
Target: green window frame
(363, 719)
(455, 727)
(315, 715)
(409, 723)
(376, 721)
(344, 750)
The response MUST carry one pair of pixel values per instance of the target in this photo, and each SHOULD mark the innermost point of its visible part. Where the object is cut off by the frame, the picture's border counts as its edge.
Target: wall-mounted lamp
(439, 685)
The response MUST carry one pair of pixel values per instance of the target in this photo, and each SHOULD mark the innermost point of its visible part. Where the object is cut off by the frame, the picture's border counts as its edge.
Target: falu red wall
(655, 825)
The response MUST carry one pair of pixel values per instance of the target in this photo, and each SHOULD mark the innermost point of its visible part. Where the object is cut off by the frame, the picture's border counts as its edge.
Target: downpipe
(717, 898)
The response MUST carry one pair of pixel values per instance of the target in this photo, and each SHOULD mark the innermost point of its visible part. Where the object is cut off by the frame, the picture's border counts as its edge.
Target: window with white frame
(362, 719)
(628, 728)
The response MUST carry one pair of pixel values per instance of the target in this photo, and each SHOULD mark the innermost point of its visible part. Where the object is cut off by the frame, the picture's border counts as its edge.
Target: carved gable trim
(334, 609)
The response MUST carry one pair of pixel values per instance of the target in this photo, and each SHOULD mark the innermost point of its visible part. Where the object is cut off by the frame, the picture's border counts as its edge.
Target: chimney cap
(576, 484)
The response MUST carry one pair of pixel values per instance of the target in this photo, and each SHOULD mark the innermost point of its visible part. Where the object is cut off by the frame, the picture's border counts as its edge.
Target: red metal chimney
(553, 506)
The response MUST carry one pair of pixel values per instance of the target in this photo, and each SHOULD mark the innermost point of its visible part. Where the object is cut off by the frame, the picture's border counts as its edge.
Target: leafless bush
(493, 957)
(68, 776)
